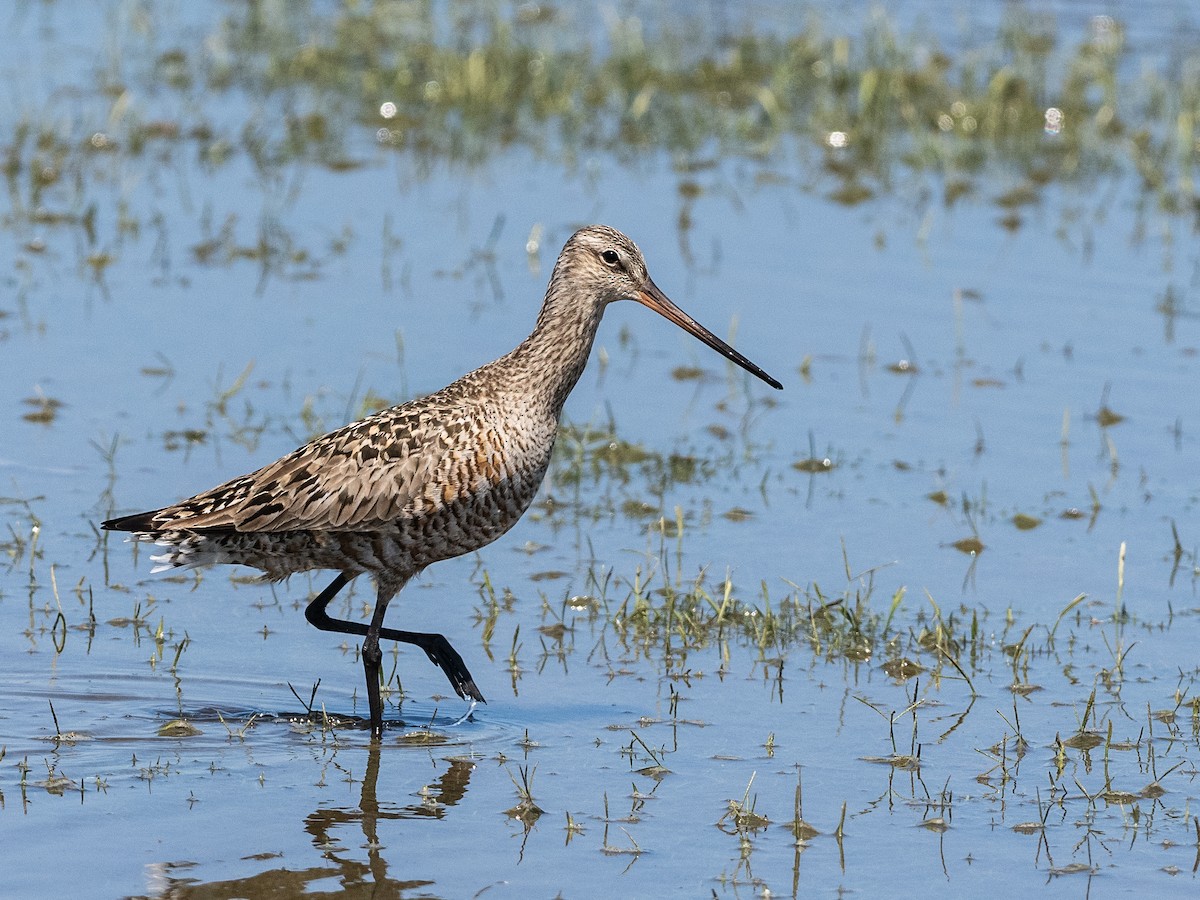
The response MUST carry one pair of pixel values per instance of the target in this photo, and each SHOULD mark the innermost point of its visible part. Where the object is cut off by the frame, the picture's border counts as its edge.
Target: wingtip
(137, 522)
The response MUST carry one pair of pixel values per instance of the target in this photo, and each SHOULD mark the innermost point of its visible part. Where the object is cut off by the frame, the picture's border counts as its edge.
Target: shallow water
(182, 312)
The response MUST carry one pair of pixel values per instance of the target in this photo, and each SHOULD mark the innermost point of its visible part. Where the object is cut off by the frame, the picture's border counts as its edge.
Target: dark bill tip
(656, 300)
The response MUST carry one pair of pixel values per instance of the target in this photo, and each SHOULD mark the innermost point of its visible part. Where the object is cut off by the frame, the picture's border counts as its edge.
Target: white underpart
(181, 554)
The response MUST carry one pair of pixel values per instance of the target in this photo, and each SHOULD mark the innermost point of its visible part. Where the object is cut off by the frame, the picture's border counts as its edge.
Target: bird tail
(143, 522)
(182, 550)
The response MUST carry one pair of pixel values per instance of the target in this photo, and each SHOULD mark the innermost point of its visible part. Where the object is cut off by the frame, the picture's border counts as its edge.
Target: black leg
(442, 655)
(372, 656)
(315, 613)
(436, 647)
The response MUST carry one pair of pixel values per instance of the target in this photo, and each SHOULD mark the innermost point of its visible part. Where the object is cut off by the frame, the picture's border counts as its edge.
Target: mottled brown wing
(357, 478)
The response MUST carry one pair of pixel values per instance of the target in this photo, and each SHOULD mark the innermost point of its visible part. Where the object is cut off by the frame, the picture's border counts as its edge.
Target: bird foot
(446, 658)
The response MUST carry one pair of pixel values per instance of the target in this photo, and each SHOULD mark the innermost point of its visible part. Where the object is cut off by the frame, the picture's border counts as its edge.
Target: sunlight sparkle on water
(1054, 120)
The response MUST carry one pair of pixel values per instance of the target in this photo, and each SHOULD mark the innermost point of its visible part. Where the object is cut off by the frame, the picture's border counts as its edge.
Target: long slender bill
(656, 300)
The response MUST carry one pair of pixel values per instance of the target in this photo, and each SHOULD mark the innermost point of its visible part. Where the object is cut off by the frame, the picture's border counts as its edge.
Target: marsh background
(927, 617)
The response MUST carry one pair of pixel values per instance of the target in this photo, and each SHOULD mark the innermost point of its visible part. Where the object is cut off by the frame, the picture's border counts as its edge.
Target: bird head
(602, 264)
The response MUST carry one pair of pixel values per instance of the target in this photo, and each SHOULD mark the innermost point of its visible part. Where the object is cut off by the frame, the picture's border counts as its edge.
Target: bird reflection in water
(328, 827)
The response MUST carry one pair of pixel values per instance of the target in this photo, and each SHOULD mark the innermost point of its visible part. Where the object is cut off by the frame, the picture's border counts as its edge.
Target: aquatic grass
(655, 769)
(664, 619)
(662, 92)
(859, 105)
(664, 616)
(526, 811)
(872, 115)
(741, 817)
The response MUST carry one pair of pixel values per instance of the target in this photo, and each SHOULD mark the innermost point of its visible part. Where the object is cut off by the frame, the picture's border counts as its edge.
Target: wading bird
(424, 481)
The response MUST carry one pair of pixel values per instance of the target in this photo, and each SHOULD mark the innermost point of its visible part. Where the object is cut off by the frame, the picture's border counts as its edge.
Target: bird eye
(610, 257)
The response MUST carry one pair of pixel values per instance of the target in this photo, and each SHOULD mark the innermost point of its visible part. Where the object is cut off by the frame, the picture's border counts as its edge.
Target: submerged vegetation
(865, 108)
(854, 116)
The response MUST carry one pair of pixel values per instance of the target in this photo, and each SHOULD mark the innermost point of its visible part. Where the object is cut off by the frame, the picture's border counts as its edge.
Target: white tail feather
(186, 554)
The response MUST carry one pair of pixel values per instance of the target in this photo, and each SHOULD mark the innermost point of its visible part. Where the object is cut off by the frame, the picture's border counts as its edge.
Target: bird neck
(554, 355)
